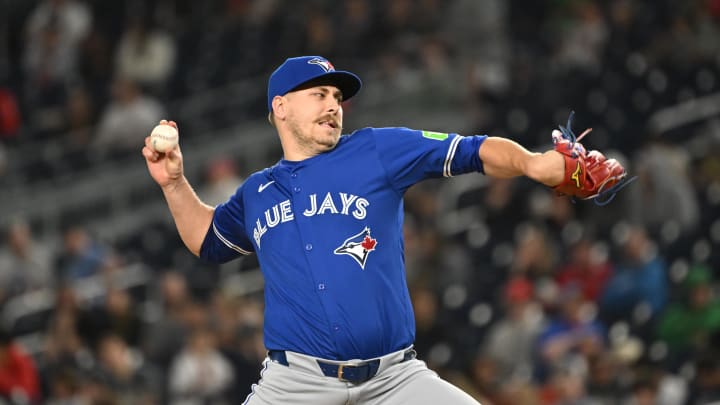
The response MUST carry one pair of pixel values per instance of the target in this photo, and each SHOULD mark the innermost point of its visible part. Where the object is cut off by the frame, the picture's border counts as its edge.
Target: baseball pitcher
(326, 223)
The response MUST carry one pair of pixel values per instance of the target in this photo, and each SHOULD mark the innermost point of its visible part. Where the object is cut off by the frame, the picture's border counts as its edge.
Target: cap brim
(348, 83)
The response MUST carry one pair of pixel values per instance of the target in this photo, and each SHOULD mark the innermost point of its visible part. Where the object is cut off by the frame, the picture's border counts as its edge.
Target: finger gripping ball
(163, 138)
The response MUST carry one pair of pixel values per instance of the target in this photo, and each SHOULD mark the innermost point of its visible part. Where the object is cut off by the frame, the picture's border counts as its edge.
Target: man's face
(314, 117)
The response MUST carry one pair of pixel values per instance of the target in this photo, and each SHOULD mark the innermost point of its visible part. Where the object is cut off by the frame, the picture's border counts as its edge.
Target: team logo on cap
(326, 65)
(358, 247)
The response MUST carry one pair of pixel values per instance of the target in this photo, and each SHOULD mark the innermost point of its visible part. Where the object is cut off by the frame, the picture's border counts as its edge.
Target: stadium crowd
(538, 300)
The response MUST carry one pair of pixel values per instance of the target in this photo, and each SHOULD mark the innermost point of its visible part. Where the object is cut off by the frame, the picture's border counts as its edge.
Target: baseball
(163, 138)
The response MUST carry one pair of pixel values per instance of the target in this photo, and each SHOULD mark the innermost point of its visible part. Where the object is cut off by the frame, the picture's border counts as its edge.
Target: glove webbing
(570, 136)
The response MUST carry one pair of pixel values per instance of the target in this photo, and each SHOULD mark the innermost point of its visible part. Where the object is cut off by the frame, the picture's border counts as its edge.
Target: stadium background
(521, 297)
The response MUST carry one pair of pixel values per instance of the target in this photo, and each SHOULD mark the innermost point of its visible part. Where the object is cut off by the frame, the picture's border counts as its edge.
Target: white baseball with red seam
(163, 138)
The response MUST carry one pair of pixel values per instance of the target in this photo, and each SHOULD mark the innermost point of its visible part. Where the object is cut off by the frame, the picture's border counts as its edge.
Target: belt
(355, 372)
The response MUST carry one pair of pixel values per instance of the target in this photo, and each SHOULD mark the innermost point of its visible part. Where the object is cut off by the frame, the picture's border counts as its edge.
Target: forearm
(505, 158)
(192, 216)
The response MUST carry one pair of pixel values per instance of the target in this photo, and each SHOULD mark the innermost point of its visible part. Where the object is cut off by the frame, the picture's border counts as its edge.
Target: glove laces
(604, 197)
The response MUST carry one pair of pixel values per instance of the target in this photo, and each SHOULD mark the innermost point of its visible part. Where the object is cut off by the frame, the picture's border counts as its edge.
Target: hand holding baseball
(162, 154)
(164, 137)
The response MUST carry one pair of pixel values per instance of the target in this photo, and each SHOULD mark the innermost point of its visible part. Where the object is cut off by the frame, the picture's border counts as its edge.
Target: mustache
(332, 120)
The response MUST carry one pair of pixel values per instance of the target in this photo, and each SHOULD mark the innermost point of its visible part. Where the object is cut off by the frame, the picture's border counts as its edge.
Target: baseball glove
(588, 175)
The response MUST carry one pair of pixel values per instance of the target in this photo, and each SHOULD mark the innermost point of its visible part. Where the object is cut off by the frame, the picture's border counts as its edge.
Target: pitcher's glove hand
(588, 175)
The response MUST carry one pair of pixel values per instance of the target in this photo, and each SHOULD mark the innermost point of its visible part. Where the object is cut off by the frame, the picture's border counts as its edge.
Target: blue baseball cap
(295, 72)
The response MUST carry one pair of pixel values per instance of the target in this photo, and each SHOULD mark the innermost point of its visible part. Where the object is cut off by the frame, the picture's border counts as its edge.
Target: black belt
(355, 373)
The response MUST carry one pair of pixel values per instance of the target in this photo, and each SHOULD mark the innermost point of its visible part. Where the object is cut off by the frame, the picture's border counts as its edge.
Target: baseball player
(326, 223)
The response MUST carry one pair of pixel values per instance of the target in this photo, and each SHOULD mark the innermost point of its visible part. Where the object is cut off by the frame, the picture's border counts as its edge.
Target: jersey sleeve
(410, 156)
(226, 239)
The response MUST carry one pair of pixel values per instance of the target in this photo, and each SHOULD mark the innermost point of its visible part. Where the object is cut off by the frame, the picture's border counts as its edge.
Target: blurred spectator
(564, 388)
(25, 263)
(96, 64)
(391, 78)
(128, 119)
(422, 248)
(65, 355)
(518, 393)
(80, 113)
(397, 19)
(708, 168)
(19, 381)
(118, 316)
(145, 55)
(705, 387)
(10, 118)
(238, 331)
(588, 268)
(3, 161)
(691, 35)
(504, 207)
(81, 256)
(662, 171)
(251, 320)
(200, 374)
(73, 19)
(54, 31)
(48, 69)
(643, 392)
(638, 288)
(320, 38)
(222, 181)
(652, 384)
(557, 211)
(65, 389)
(536, 254)
(94, 391)
(654, 381)
(582, 37)
(487, 382)
(430, 332)
(438, 75)
(692, 324)
(126, 373)
(511, 341)
(479, 30)
(359, 35)
(165, 333)
(604, 384)
(570, 339)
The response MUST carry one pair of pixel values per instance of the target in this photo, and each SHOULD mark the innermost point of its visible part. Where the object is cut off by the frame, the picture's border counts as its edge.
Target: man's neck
(294, 151)
(296, 155)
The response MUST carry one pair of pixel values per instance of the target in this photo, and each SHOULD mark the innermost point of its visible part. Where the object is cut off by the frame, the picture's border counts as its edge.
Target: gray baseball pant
(397, 382)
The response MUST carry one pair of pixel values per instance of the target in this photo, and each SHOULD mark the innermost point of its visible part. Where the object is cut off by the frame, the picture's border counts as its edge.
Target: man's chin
(328, 146)
(330, 143)
(331, 138)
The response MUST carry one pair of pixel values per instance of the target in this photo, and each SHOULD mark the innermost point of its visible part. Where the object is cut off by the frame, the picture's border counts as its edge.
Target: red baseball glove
(588, 175)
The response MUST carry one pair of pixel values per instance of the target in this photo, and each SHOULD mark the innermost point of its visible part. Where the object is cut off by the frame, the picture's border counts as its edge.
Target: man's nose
(333, 105)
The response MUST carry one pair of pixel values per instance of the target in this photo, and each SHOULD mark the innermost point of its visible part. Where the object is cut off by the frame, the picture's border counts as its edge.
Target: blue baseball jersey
(328, 233)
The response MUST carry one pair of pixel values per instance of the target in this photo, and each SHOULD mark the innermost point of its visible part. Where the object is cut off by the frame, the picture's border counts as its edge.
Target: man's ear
(279, 104)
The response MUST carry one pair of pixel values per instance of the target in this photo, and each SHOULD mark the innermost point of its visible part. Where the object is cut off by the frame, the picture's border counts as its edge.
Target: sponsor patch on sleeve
(437, 136)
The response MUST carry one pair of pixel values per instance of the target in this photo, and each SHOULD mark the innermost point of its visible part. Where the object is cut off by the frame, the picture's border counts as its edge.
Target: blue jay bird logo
(358, 247)
(325, 64)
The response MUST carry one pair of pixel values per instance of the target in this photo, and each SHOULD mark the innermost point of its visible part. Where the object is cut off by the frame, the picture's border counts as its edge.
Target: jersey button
(294, 175)
(297, 189)
(321, 286)
(308, 247)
